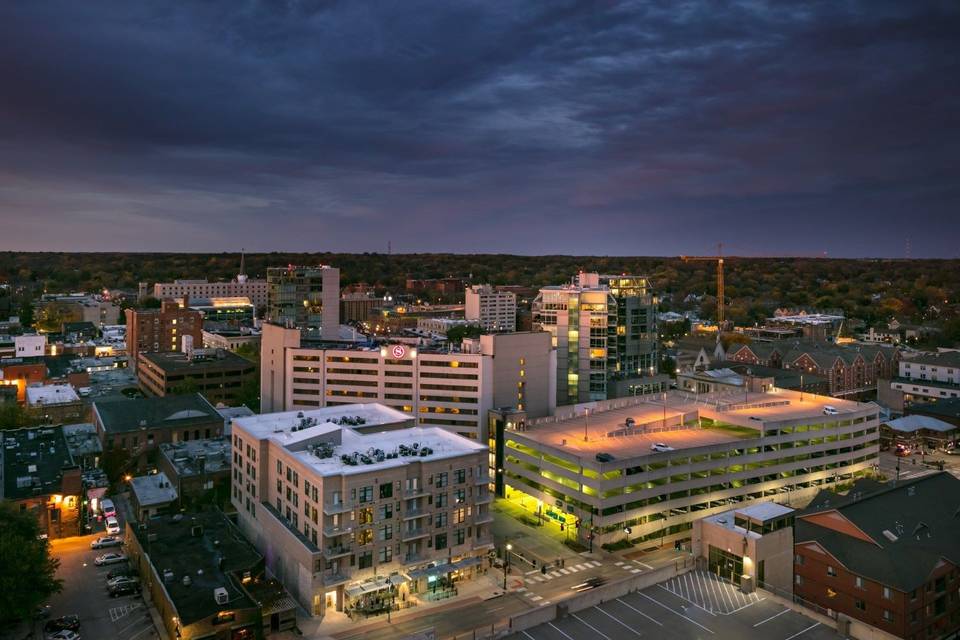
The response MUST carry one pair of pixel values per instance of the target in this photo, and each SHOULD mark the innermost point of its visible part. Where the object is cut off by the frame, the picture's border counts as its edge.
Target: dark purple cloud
(573, 127)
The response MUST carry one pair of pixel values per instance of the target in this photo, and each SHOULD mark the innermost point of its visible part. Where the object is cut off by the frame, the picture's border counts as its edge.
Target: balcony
(332, 508)
(414, 534)
(411, 514)
(483, 518)
(482, 480)
(486, 498)
(412, 558)
(416, 493)
(331, 578)
(330, 531)
(336, 551)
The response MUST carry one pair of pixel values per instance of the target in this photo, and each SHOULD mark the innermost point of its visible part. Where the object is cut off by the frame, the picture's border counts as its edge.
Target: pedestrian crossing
(628, 566)
(556, 572)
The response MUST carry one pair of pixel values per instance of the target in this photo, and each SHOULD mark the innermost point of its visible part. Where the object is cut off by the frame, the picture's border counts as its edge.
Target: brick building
(161, 330)
(848, 370)
(216, 373)
(887, 555)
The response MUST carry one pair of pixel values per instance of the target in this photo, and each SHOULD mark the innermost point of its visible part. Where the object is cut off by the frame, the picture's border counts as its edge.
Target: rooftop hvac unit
(220, 595)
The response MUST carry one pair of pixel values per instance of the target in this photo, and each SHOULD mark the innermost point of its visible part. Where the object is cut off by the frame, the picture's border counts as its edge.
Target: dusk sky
(608, 128)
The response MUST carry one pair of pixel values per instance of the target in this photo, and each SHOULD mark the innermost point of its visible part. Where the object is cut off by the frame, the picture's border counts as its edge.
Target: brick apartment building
(886, 555)
(848, 369)
(161, 330)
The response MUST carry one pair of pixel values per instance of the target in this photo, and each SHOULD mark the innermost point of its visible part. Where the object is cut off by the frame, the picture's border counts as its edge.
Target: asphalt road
(447, 621)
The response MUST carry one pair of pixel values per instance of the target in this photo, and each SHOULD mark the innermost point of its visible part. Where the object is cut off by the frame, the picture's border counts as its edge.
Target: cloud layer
(565, 127)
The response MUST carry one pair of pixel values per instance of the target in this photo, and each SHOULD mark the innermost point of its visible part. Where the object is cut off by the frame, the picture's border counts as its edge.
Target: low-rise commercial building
(750, 546)
(139, 426)
(151, 495)
(199, 470)
(928, 378)
(254, 290)
(358, 307)
(161, 330)
(232, 311)
(215, 373)
(55, 403)
(889, 557)
(441, 387)
(231, 340)
(83, 444)
(39, 474)
(352, 503)
(657, 464)
(206, 581)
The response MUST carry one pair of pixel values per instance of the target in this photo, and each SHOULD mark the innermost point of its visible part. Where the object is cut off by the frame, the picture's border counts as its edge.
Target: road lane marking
(617, 620)
(776, 615)
(644, 564)
(629, 606)
(691, 620)
(815, 624)
(561, 632)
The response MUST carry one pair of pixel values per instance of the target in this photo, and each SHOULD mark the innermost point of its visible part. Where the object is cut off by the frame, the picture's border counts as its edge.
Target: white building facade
(255, 290)
(493, 310)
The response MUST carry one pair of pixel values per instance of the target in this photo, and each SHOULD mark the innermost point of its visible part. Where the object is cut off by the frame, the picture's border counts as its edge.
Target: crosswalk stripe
(583, 566)
(554, 574)
(574, 569)
(618, 563)
(564, 572)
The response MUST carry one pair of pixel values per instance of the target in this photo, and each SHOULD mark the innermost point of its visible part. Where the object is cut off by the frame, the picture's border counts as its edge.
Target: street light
(506, 563)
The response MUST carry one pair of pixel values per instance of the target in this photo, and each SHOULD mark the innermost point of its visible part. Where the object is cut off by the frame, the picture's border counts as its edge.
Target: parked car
(113, 526)
(112, 582)
(901, 450)
(106, 541)
(107, 508)
(69, 623)
(109, 558)
(65, 635)
(125, 589)
(829, 410)
(120, 570)
(660, 447)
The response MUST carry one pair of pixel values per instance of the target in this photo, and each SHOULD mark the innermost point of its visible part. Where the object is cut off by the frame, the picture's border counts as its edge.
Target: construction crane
(719, 259)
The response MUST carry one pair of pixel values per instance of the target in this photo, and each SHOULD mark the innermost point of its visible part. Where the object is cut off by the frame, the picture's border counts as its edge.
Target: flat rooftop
(178, 362)
(745, 413)
(32, 462)
(302, 432)
(51, 394)
(192, 457)
(154, 489)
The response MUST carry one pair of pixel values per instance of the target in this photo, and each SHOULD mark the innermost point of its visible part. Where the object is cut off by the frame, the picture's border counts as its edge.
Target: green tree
(27, 572)
(26, 312)
(114, 463)
(188, 386)
(457, 334)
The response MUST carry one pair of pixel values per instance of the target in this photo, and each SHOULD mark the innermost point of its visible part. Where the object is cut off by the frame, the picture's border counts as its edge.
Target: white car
(65, 634)
(830, 411)
(113, 526)
(660, 447)
(109, 558)
(106, 541)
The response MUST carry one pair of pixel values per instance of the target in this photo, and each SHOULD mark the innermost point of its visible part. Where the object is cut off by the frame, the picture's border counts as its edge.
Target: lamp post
(506, 563)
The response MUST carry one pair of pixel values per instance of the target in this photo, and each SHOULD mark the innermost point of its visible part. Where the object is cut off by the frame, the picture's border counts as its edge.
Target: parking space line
(618, 621)
(629, 606)
(688, 600)
(584, 622)
(776, 615)
(750, 603)
(815, 624)
(691, 620)
(701, 584)
(528, 635)
(561, 632)
(147, 628)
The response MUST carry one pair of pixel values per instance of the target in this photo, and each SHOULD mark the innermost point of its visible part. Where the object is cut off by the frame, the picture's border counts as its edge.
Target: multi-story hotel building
(305, 297)
(604, 328)
(161, 330)
(449, 389)
(493, 310)
(255, 290)
(656, 464)
(351, 502)
(928, 377)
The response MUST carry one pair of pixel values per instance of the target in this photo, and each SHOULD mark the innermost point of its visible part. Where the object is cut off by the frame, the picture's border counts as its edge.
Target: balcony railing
(483, 518)
(413, 534)
(330, 530)
(331, 508)
(484, 499)
(482, 480)
(415, 493)
(331, 578)
(410, 514)
(412, 558)
(336, 551)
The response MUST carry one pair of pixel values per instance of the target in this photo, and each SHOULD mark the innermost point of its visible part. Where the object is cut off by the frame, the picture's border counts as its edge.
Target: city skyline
(635, 129)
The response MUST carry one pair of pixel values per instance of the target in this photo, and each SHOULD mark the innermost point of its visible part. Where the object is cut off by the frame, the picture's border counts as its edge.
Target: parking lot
(85, 594)
(719, 610)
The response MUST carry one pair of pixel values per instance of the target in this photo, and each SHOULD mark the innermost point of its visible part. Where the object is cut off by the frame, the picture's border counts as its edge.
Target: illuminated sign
(399, 351)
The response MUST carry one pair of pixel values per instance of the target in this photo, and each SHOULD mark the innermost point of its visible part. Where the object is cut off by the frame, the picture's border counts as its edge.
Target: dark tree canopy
(27, 571)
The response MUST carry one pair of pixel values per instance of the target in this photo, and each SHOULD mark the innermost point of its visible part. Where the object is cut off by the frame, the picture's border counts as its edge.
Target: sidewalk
(470, 592)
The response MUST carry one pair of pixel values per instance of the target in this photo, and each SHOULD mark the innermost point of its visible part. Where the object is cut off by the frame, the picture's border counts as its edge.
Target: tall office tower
(604, 329)
(305, 297)
(161, 330)
(493, 310)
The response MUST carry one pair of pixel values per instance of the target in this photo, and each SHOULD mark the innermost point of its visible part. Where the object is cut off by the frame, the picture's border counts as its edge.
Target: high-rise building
(305, 297)
(452, 389)
(493, 310)
(347, 501)
(604, 329)
(162, 330)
